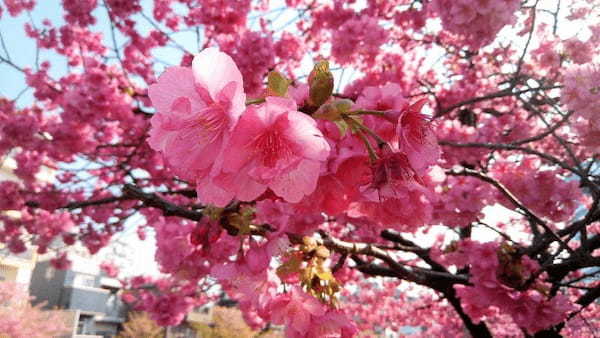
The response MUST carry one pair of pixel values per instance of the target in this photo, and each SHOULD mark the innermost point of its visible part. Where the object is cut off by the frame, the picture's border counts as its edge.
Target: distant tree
(229, 323)
(19, 319)
(139, 325)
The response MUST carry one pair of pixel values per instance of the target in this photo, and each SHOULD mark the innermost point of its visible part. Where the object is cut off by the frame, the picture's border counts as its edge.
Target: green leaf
(277, 84)
(324, 274)
(289, 267)
(333, 111)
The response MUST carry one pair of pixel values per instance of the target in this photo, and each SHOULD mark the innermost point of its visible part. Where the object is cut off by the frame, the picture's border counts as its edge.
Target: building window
(84, 280)
(84, 325)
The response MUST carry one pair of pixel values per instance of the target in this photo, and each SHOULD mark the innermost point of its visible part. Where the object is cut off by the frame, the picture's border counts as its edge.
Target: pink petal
(314, 145)
(237, 154)
(214, 70)
(174, 83)
(210, 193)
(293, 186)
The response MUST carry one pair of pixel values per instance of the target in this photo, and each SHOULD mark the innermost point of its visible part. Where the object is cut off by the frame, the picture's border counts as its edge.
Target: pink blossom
(416, 138)
(61, 262)
(332, 324)
(529, 309)
(256, 287)
(578, 51)
(276, 147)
(405, 209)
(478, 21)
(15, 7)
(110, 269)
(254, 54)
(386, 98)
(296, 311)
(392, 170)
(554, 198)
(123, 8)
(581, 90)
(19, 319)
(170, 309)
(358, 37)
(196, 110)
(79, 11)
(219, 16)
(173, 246)
(462, 204)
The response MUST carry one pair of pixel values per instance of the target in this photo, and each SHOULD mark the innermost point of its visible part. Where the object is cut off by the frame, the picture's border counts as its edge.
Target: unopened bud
(333, 111)
(320, 82)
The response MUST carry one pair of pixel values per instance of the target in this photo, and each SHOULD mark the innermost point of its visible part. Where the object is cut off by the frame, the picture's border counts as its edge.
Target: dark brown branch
(498, 94)
(350, 248)
(152, 200)
(585, 300)
(84, 204)
(589, 297)
(528, 42)
(550, 131)
(372, 269)
(476, 330)
(431, 278)
(190, 193)
(504, 146)
(131, 192)
(408, 245)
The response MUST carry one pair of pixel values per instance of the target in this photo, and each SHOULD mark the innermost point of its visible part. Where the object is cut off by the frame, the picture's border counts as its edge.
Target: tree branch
(515, 201)
(152, 200)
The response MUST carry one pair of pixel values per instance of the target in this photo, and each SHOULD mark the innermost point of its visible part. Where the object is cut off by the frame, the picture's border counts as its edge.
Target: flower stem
(358, 127)
(380, 142)
(367, 112)
(255, 101)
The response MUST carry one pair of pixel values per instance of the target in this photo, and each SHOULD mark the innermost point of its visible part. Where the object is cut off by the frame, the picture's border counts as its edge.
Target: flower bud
(320, 82)
(333, 111)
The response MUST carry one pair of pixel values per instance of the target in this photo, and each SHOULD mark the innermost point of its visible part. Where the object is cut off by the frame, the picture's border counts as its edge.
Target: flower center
(212, 121)
(272, 147)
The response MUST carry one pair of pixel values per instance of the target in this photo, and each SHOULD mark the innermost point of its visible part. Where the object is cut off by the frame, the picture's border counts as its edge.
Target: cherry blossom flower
(196, 110)
(273, 146)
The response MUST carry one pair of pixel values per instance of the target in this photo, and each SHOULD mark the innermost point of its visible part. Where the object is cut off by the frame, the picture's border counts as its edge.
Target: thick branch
(408, 245)
(152, 200)
(438, 280)
(476, 330)
(84, 204)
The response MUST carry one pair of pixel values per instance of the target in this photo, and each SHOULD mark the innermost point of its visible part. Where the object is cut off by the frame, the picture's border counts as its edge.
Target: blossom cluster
(208, 135)
(581, 91)
(273, 153)
(358, 36)
(500, 278)
(477, 21)
(18, 318)
(556, 198)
